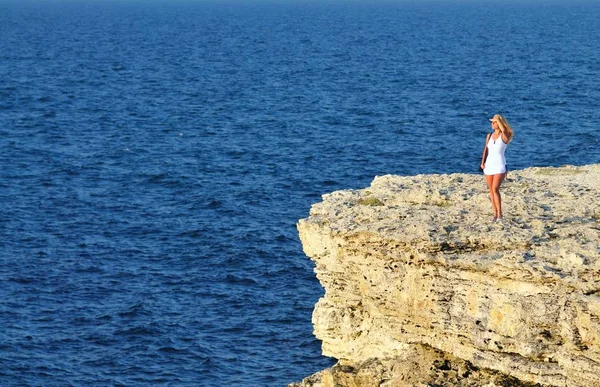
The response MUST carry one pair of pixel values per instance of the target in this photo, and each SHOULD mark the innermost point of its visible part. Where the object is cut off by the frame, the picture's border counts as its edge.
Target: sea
(155, 157)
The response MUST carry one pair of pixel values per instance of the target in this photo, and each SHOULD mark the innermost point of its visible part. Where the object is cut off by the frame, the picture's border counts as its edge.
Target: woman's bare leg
(490, 182)
(497, 199)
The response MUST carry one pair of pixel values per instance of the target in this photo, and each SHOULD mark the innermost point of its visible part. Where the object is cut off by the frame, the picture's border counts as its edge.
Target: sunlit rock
(421, 286)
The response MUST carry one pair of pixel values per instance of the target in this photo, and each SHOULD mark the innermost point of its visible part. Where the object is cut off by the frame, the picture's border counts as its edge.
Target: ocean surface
(156, 156)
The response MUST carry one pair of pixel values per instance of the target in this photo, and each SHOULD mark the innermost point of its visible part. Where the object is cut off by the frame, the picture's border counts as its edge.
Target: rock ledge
(422, 289)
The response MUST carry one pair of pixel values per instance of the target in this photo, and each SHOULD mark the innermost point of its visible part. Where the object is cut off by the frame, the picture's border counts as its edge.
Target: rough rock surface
(416, 276)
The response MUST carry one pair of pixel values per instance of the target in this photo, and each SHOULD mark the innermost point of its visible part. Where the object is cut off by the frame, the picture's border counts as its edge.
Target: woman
(493, 161)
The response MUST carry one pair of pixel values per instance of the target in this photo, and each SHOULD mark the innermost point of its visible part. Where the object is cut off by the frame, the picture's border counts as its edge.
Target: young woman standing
(493, 161)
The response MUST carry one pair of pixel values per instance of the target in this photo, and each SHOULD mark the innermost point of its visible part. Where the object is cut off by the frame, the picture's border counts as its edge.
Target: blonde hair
(504, 126)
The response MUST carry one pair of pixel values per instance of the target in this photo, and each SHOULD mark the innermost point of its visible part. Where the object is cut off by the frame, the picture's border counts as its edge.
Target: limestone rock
(412, 265)
(418, 366)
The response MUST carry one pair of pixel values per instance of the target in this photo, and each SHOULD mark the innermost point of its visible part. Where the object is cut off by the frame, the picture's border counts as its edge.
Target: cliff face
(420, 287)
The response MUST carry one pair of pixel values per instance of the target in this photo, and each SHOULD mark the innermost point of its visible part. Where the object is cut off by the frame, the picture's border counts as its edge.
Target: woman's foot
(493, 219)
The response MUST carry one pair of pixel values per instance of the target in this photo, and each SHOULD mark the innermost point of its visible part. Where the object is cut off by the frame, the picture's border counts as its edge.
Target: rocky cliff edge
(422, 289)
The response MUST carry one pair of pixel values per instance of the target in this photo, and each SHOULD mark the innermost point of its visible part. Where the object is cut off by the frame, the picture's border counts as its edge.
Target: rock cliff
(422, 289)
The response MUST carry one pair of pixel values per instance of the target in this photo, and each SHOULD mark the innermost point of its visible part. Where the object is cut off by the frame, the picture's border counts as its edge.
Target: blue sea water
(155, 157)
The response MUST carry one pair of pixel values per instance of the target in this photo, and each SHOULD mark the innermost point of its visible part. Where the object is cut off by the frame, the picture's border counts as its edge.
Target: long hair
(504, 126)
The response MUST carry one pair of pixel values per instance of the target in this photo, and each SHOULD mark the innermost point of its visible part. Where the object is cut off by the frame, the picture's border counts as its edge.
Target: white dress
(495, 162)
